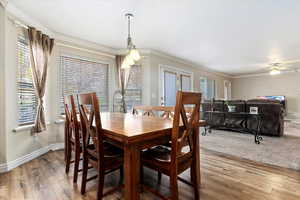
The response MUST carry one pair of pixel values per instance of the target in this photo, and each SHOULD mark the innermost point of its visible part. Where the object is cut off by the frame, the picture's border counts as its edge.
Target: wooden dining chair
(143, 110)
(103, 156)
(165, 112)
(172, 161)
(72, 136)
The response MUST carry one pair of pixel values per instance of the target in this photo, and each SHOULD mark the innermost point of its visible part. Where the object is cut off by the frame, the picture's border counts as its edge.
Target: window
(133, 94)
(82, 76)
(27, 101)
(207, 88)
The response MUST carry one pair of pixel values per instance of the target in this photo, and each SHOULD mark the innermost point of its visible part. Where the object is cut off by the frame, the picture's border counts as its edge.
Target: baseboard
(5, 167)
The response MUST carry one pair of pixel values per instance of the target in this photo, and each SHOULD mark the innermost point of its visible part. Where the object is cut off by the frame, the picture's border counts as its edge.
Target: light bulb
(274, 72)
(128, 61)
(134, 54)
(124, 66)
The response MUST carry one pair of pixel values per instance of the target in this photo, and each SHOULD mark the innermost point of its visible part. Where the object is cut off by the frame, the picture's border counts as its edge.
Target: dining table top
(127, 127)
(131, 126)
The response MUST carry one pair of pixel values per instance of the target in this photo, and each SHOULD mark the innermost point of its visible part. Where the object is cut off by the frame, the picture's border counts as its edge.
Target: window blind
(83, 76)
(27, 101)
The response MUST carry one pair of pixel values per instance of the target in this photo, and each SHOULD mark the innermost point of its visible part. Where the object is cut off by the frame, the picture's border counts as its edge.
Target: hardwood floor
(223, 178)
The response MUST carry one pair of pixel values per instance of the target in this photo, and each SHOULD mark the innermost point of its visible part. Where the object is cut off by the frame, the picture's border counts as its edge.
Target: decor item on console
(253, 110)
(272, 123)
(231, 108)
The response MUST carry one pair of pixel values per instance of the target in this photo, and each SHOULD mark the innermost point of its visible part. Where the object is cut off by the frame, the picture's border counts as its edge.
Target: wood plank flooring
(223, 178)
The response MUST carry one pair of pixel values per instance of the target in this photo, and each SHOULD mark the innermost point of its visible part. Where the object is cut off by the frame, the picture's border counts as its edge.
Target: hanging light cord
(129, 40)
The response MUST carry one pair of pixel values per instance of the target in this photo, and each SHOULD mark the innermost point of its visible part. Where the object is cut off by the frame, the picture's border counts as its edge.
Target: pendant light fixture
(133, 54)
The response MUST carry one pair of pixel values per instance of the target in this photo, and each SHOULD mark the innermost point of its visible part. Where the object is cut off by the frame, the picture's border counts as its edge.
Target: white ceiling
(230, 36)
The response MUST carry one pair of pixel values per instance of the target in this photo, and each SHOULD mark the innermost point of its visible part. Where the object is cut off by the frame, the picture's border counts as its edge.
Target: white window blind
(27, 101)
(83, 76)
(133, 93)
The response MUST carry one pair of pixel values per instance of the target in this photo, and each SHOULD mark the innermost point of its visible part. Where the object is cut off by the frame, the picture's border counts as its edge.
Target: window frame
(25, 37)
(85, 58)
(206, 88)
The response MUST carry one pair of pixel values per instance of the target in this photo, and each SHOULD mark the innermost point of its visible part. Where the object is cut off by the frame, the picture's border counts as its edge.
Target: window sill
(28, 127)
(22, 128)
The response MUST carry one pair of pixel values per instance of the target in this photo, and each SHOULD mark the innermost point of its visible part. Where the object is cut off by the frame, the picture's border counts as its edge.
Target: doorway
(172, 80)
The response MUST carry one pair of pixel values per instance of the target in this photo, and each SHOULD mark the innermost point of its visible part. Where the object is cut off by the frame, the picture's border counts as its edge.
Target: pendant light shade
(134, 54)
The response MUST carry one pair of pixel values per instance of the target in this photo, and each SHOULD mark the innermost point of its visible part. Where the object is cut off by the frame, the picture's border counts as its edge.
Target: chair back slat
(186, 112)
(71, 118)
(91, 122)
(162, 111)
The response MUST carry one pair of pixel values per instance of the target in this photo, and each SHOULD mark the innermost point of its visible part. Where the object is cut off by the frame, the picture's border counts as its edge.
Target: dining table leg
(132, 172)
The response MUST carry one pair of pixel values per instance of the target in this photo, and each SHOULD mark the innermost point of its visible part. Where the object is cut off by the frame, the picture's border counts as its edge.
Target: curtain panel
(123, 76)
(41, 47)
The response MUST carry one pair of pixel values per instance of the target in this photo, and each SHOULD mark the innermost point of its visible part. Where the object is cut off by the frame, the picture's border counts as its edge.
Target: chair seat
(158, 153)
(110, 151)
(159, 158)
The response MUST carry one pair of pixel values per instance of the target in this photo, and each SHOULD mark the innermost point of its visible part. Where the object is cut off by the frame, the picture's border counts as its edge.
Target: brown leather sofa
(272, 123)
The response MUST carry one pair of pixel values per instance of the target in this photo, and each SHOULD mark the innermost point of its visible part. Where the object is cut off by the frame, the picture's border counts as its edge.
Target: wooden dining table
(134, 133)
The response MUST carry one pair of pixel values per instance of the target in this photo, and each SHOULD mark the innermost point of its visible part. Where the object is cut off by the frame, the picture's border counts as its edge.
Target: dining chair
(103, 156)
(181, 154)
(72, 136)
(159, 111)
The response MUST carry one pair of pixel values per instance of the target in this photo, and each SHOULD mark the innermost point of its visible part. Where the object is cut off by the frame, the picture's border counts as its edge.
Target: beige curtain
(40, 50)
(123, 76)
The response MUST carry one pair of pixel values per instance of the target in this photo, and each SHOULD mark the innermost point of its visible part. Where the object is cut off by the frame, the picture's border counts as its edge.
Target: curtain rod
(17, 22)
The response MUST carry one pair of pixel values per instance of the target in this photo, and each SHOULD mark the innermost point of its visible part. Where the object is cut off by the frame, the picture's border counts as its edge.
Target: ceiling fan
(277, 68)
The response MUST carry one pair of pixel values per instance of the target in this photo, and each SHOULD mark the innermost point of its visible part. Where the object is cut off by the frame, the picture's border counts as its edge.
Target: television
(279, 98)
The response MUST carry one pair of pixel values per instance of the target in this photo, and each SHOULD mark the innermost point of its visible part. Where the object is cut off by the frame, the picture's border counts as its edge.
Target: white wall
(287, 84)
(2, 92)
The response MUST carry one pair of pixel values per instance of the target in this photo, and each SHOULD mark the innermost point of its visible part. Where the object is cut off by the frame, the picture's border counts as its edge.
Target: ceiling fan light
(134, 54)
(275, 72)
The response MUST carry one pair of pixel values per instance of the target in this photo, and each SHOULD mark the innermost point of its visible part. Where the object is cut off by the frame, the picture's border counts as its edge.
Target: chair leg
(121, 175)
(76, 164)
(84, 174)
(141, 178)
(66, 139)
(194, 181)
(174, 186)
(68, 157)
(158, 177)
(100, 185)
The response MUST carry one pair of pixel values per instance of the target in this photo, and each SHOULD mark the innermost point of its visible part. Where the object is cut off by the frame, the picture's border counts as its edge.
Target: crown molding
(77, 43)
(3, 3)
(16, 15)
(264, 74)
(183, 61)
